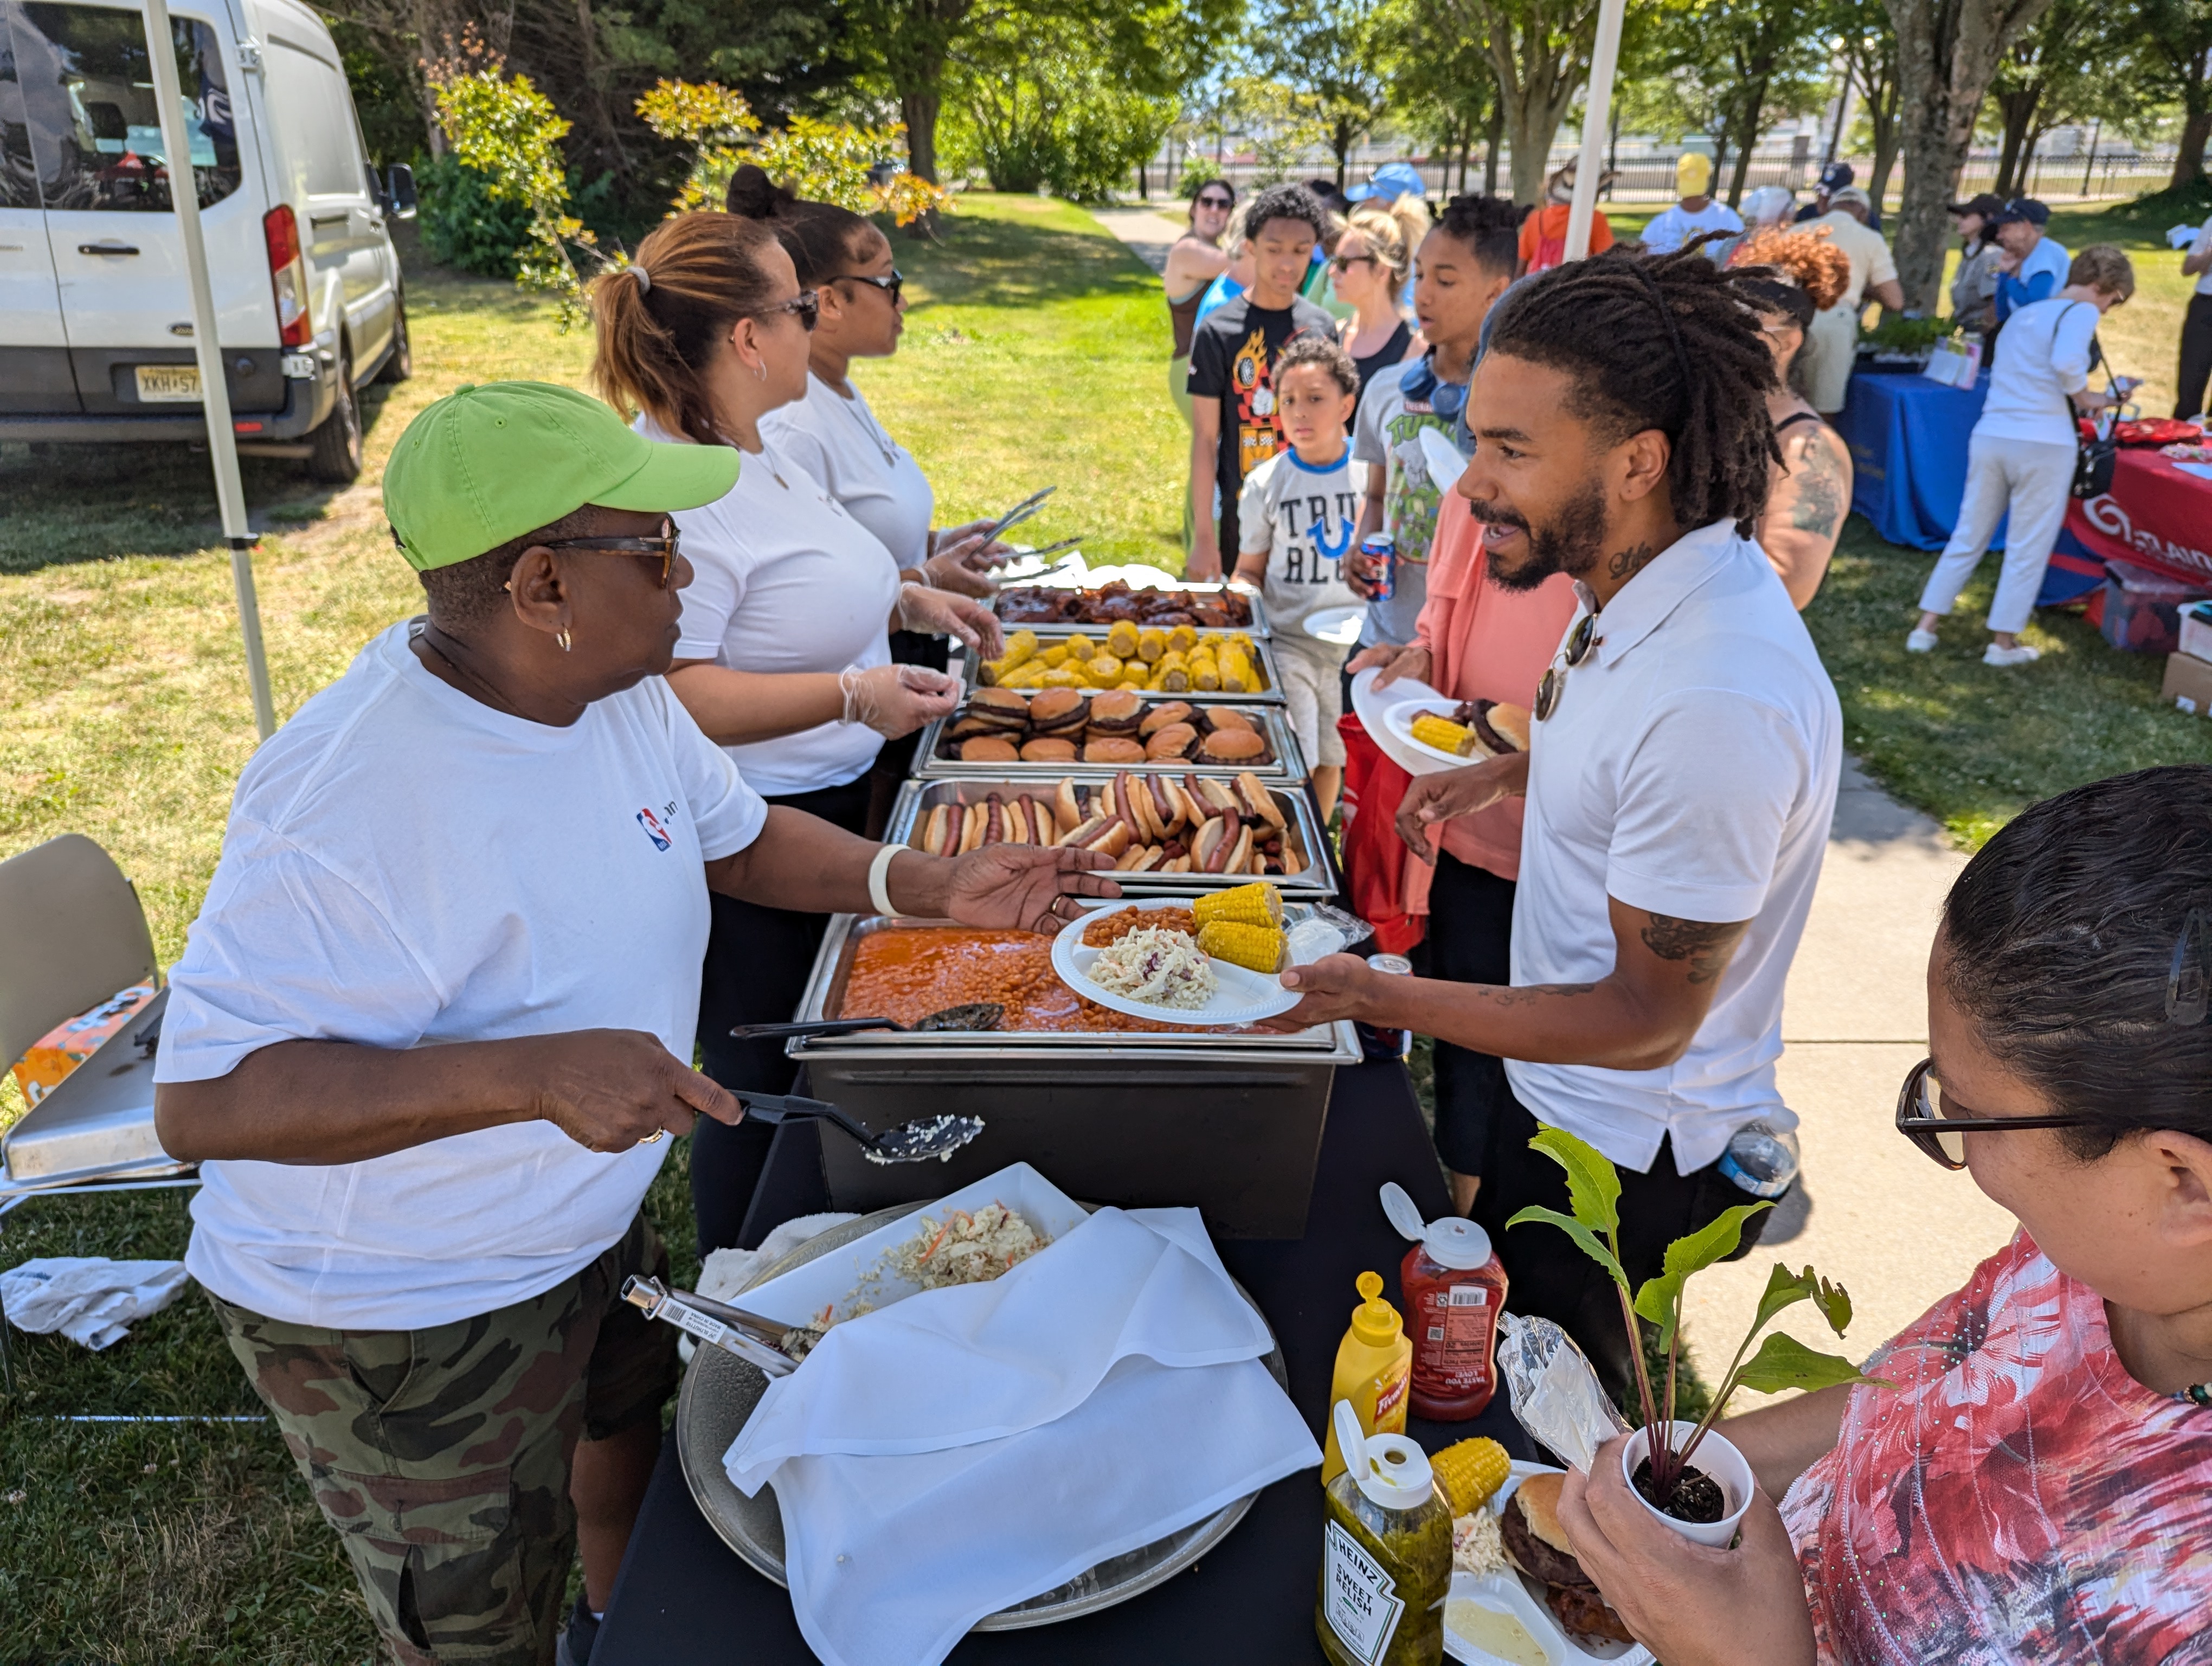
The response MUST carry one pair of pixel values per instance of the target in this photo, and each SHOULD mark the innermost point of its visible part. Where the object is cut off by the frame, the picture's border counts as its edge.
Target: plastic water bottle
(1761, 1159)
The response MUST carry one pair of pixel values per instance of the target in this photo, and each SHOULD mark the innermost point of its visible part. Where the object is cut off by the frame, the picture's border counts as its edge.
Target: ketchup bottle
(1454, 1290)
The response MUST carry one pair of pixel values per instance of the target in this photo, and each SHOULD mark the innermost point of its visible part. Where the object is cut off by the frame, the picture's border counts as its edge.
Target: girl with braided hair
(1787, 278)
(1680, 778)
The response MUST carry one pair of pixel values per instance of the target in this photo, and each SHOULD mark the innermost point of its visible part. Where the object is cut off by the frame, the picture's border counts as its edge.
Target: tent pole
(1597, 114)
(215, 391)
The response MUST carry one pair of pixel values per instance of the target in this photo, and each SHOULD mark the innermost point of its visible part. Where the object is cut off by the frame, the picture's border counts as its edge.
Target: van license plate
(169, 381)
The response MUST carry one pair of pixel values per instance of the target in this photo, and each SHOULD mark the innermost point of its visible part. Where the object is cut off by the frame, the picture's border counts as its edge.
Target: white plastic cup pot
(1715, 1456)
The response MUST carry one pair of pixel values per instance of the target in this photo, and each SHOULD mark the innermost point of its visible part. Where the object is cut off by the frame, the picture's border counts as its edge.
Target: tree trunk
(2019, 105)
(1946, 52)
(1533, 96)
(918, 108)
(1532, 122)
(1493, 130)
(2189, 160)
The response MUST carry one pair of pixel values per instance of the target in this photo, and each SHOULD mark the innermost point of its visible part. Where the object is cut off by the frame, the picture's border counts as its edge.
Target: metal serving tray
(971, 671)
(720, 1393)
(917, 798)
(1259, 627)
(1230, 1123)
(98, 1123)
(1288, 764)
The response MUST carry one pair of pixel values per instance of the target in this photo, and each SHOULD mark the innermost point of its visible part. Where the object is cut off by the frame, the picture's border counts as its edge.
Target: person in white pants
(2021, 457)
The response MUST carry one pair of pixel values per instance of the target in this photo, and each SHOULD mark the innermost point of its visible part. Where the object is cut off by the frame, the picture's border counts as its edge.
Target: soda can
(1379, 1044)
(1381, 550)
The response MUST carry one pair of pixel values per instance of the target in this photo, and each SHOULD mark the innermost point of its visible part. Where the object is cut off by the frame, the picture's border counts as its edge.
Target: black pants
(1547, 1275)
(757, 963)
(2196, 357)
(1470, 941)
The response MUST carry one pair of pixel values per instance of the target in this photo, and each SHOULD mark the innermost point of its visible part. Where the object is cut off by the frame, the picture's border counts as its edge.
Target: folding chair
(72, 932)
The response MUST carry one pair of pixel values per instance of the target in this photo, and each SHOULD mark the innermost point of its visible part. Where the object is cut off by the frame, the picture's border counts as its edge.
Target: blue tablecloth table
(1908, 441)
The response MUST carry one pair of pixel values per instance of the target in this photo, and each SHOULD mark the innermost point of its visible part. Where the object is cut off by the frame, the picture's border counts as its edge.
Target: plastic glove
(896, 699)
(963, 570)
(939, 613)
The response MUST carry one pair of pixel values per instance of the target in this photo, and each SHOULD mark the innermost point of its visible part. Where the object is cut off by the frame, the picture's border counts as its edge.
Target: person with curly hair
(1787, 276)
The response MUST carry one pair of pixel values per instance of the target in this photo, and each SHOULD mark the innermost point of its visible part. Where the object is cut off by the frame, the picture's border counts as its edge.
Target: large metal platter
(720, 1393)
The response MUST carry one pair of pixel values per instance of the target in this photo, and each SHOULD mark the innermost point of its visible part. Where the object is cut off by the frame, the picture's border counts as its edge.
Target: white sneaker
(1920, 641)
(2019, 654)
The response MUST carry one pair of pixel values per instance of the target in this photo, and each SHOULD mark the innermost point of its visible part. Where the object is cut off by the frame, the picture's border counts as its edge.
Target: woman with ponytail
(783, 651)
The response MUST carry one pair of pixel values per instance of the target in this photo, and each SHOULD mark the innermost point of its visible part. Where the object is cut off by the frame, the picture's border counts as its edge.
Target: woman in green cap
(437, 1011)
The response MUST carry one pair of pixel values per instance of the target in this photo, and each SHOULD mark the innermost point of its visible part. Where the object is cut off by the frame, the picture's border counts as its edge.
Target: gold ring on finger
(653, 1138)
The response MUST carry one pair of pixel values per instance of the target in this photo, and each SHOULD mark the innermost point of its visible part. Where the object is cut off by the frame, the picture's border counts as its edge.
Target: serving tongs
(771, 1347)
(909, 1142)
(975, 1015)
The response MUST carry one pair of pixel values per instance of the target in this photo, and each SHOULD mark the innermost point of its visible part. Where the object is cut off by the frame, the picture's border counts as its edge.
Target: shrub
(464, 225)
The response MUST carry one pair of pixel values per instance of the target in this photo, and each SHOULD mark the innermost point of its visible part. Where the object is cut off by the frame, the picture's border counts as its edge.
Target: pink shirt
(2016, 1498)
(1484, 643)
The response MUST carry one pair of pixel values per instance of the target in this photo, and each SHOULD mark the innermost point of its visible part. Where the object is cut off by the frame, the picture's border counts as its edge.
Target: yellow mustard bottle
(1374, 1369)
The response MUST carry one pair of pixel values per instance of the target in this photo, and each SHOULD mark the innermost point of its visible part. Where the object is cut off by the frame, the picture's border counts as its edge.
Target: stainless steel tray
(1289, 764)
(98, 1123)
(720, 1392)
(917, 798)
(1259, 627)
(971, 668)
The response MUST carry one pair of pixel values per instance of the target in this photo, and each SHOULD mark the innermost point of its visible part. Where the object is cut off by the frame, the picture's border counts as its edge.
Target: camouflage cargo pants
(441, 1457)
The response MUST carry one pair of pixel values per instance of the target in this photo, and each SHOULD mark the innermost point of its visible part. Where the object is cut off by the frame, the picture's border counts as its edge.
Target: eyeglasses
(1921, 1118)
(805, 306)
(1580, 641)
(663, 545)
(891, 286)
(1345, 263)
(1222, 202)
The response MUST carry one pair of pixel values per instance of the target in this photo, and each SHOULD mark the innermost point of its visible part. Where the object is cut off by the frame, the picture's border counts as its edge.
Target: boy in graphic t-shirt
(1295, 518)
(1232, 363)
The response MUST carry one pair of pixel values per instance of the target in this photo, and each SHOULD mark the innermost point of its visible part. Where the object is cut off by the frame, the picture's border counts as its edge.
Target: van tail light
(288, 276)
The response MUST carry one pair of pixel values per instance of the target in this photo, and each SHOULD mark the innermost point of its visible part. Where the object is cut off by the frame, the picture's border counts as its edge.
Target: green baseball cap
(488, 463)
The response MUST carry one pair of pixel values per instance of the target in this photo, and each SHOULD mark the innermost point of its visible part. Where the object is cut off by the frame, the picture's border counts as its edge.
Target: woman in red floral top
(2036, 1483)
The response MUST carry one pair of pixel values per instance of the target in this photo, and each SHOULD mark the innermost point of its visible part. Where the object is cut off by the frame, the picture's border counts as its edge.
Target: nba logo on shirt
(652, 826)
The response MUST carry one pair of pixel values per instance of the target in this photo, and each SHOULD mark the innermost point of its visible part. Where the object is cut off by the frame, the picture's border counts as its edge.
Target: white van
(95, 308)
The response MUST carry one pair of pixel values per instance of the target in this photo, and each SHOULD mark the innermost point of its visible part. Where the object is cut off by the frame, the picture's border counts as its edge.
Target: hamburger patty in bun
(1537, 1545)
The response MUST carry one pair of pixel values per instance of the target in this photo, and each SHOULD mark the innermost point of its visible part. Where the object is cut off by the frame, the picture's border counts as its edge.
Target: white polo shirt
(1689, 769)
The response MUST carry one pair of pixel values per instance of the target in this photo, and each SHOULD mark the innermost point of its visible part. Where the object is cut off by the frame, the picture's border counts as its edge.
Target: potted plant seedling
(1706, 1503)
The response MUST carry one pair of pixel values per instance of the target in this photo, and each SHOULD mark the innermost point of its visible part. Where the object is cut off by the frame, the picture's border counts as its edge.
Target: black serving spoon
(909, 1142)
(975, 1015)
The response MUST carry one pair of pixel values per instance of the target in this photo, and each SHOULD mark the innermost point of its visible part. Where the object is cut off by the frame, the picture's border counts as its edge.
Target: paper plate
(1337, 626)
(1373, 708)
(1240, 996)
(1398, 720)
(1443, 458)
(1521, 1597)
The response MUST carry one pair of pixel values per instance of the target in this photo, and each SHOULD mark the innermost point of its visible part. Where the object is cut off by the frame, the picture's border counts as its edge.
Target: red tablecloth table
(2155, 516)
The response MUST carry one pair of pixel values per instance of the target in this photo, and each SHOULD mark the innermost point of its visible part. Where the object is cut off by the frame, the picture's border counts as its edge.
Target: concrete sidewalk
(1871, 1212)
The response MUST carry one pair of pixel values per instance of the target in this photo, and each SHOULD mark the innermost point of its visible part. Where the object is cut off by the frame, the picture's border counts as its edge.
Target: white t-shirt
(1689, 769)
(1872, 262)
(2043, 356)
(1386, 433)
(403, 867)
(1304, 518)
(1674, 225)
(783, 580)
(839, 441)
(2197, 251)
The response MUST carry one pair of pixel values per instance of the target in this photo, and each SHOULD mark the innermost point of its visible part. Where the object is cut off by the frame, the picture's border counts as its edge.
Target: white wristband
(879, 894)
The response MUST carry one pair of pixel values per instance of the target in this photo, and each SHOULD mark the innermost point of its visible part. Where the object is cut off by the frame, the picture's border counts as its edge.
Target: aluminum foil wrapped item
(1556, 1394)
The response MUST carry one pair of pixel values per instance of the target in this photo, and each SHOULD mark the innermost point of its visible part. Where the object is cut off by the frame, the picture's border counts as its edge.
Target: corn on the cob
(1029, 676)
(1052, 658)
(1061, 677)
(1103, 671)
(1152, 644)
(1080, 647)
(1182, 638)
(1237, 674)
(1174, 674)
(1250, 905)
(1469, 1473)
(1259, 947)
(1020, 646)
(1122, 639)
(1132, 679)
(1204, 674)
(1439, 732)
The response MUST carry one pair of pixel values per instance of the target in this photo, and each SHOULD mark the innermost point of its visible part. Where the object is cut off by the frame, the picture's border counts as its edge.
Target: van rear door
(35, 378)
(104, 177)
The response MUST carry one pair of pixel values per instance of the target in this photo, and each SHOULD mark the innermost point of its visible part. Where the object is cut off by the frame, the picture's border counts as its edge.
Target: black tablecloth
(684, 1596)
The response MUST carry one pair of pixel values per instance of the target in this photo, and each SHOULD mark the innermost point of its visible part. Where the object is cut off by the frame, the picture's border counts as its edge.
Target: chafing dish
(1262, 648)
(1287, 764)
(917, 799)
(1086, 580)
(1229, 1122)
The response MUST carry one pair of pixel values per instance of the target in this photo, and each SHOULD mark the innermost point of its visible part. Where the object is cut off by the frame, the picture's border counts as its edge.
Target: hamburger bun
(1173, 741)
(1536, 1544)
(1054, 711)
(1498, 728)
(988, 749)
(1232, 745)
(1112, 749)
(1000, 708)
(1216, 717)
(1048, 748)
(1160, 716)
(1116, 711)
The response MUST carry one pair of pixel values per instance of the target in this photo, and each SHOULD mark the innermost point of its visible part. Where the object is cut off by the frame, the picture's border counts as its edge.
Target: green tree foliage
(1726, 67)
(1443, 88)
(462, 225)
(1539, 52)
(2176, 57)
(1866, 45)
(1037, 107)
(822, 162)
(1333, 52)
(1277, 122)
(2042, 80)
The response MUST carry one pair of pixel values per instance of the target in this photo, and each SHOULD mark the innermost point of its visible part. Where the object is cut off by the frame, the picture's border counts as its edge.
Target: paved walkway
(1872, 1213)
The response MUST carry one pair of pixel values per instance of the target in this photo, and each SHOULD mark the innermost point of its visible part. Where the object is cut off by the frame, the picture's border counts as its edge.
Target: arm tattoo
(1819, 506)
(1706, 945)
(1627, 563)
(1522, 994)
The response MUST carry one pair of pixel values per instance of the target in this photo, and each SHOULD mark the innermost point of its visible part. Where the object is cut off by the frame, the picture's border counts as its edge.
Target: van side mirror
(401, 191)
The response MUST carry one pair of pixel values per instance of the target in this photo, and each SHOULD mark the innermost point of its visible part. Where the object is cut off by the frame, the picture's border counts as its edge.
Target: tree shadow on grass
(997, 262)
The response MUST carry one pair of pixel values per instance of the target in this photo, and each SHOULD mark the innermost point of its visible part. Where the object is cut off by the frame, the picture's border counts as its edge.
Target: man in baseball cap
(2031, 265)
(1835, 177)
(436, 1017)
(1831, 344)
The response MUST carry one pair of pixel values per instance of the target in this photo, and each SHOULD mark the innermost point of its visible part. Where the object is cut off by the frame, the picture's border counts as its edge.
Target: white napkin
(978, 1362)
(88, 1298)
(725, 1272)
(891, 1559)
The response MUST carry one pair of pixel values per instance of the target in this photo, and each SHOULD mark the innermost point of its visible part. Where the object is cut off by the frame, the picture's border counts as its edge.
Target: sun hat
(1389, 182)
(1851, 196)
(488, 462)
(1693, 172)
(1988, 204)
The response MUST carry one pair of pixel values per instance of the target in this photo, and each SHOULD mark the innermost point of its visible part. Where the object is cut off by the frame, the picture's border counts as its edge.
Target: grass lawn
(1035, 354)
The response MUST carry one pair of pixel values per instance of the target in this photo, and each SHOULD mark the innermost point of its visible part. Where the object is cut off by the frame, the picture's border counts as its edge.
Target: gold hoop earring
(562, 637)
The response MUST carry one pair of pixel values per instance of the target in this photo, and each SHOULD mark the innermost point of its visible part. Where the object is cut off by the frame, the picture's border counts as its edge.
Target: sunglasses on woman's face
(1222, 203)
(1345, 263)
(1938, 1125)
(806, 306)
(662, 544)
(892, 286)
(1580, 642)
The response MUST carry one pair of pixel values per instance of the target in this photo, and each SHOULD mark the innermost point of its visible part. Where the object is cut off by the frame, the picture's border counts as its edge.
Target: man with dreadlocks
(1680, 776)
